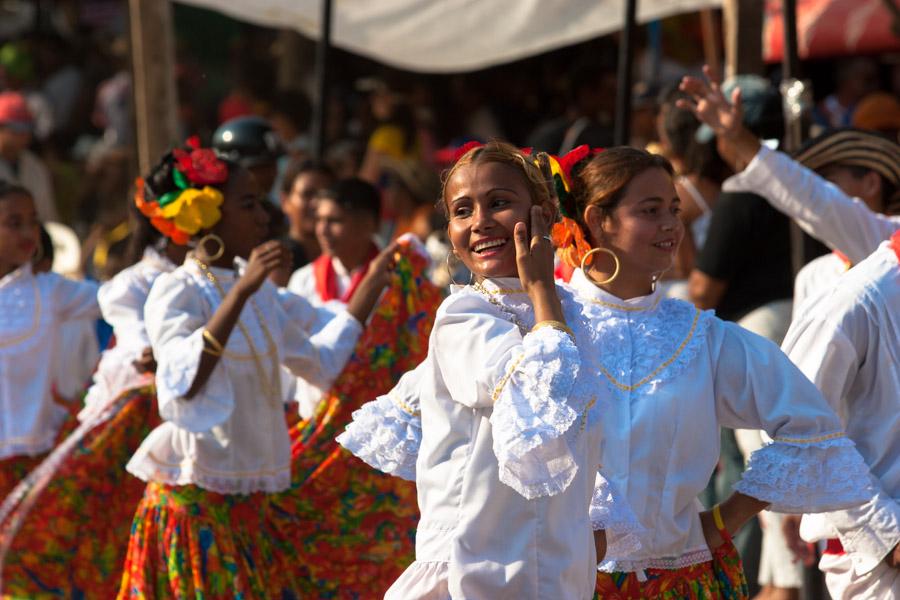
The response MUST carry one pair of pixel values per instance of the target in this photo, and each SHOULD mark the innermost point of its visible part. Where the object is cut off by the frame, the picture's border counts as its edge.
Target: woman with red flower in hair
(220, 333)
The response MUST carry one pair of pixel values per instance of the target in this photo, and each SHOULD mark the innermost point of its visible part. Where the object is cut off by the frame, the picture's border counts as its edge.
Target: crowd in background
(67, 134)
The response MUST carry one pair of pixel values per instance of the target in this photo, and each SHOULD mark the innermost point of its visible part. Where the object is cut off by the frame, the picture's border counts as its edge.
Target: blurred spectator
(289, 117)
(411, 190)
(346, 223)
(855, 78)
(587, 88)
(252, 143)
(17, 163)
(879, 111)
(699, 175)
(396, 134)
(302, 183)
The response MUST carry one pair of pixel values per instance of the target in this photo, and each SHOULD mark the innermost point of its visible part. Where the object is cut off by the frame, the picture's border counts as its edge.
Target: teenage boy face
(342, 233)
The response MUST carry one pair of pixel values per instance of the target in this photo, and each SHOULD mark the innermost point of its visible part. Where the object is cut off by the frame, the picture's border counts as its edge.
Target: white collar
(587, 290)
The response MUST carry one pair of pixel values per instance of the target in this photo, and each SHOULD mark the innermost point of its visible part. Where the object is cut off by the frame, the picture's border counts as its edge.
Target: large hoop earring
(450, 271)
(201, 247)
(615, 272)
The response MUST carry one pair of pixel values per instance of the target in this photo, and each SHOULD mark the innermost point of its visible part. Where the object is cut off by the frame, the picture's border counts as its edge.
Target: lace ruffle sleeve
(531, 415)
(386, 433)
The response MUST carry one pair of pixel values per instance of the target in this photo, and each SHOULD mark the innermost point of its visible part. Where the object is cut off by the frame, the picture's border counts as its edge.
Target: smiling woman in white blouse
(32, 307)
(510, 436)
(220, 333)
(678, 374)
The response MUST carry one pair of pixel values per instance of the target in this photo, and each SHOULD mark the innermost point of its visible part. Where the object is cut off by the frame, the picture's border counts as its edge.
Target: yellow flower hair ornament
(186, 208)
(194, 209)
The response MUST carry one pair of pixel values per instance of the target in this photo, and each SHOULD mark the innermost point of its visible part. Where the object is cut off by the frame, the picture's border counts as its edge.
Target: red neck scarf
(843, 258)
(326, 278)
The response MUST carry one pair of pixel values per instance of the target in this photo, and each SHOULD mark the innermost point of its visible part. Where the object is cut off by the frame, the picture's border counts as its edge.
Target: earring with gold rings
(607, 251)
(201, 247)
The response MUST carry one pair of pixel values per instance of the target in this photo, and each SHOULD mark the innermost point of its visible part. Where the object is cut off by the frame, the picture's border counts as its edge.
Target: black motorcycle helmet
(248, 141)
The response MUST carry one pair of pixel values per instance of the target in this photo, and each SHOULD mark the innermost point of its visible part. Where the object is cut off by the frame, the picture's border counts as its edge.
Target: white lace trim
(147, 469)
(651, 346)
(801, 477)
(533, 412)
(628, 566)
(385, 437)
(611, 512)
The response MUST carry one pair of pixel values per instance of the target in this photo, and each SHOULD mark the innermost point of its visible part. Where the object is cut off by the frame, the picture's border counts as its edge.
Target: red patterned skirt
(67, 531)
(721, 578)
(187, 542)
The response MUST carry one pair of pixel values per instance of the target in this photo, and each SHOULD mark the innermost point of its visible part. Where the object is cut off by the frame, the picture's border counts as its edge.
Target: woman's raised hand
(534, 255)
(709, 104)
(264, 259)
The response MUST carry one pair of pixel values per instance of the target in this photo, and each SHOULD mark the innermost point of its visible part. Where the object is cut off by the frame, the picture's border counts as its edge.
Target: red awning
(827, 28)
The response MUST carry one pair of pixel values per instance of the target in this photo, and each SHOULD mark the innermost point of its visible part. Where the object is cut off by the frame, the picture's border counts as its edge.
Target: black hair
(8, 188)
(46, 245)
(355, 195)
(298, 167)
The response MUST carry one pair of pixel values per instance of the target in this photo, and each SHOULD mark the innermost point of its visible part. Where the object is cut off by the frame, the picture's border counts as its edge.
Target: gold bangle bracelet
(557, 325)
(213, 342)
(212, 352)
(717, 518)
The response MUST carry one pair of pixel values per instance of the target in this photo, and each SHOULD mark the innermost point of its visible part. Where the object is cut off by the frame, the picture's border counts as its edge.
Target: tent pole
(320, 110)
(793, 133)
(623, 85)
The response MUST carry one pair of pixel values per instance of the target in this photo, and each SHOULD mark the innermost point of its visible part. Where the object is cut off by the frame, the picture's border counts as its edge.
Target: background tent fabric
(446, 36)
(828, 28)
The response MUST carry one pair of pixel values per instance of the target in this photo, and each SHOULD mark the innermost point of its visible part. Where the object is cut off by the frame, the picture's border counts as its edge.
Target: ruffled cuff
(386, 434)
(807, 475)
(175, 373)
(532, 413)
(611, 512)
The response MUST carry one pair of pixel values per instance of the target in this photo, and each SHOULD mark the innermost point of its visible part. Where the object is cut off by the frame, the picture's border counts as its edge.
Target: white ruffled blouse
(122, 300)
(507, 431)
(32, 307)
(231, 437)
(848, 344)
(678, 374)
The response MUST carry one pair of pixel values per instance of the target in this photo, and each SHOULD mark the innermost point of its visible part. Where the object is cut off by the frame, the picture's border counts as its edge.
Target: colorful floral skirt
(187, 542)
(354, 527)
(14, 469)
(67, 531)
(721, 578)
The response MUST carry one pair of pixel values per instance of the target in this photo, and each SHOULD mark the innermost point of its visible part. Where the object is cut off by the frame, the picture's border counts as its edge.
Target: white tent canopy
(444, 36)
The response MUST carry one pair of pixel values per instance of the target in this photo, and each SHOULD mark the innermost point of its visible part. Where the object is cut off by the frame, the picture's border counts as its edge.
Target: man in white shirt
(347, 218)
(862, 165)
(848, 344)
(19, 165)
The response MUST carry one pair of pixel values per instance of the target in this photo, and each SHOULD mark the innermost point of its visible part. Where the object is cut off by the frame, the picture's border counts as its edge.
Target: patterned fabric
(190, 543)
(14, 469)
(68, 531)
(353, 526)
(722, 578)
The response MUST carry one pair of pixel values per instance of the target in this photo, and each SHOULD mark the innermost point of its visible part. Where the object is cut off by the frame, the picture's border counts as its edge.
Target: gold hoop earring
(450, 271)
(615, 272)
(201, 247)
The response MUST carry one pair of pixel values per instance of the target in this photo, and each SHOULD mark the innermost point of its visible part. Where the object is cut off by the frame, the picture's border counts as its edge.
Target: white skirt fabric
(422, 580)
